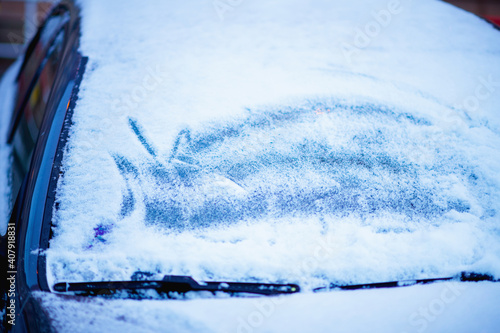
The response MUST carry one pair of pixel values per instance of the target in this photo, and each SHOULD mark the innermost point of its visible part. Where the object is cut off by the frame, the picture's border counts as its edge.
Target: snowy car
(260, 166)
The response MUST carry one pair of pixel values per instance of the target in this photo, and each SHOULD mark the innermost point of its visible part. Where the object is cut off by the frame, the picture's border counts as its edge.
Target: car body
(260, 149)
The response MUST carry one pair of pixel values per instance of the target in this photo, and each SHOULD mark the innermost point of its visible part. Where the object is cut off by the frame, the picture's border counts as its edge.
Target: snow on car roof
(277, 141)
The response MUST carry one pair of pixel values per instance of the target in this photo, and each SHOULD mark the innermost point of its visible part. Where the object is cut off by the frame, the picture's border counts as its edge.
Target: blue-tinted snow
(441, 307)
(266, 147)
(7, 95)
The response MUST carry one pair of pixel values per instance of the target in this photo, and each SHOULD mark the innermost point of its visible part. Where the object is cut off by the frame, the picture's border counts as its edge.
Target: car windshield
(251, 156)
(317, 161)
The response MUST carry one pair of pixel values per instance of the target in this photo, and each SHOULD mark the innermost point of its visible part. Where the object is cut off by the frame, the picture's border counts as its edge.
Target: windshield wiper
(175, 283)
(183, 284)
(462, 277)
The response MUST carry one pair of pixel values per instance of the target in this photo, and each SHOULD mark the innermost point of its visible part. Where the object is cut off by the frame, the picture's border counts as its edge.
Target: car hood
(449, 306)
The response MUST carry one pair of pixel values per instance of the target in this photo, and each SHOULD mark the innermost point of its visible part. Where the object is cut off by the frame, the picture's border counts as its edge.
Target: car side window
(30, 119)
(37, 52)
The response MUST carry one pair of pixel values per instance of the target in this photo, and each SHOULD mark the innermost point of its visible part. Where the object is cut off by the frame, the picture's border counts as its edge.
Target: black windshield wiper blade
(462, 277)
(176, 283)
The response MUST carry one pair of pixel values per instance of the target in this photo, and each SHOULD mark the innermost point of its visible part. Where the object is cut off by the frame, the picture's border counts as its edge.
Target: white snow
(272, 143)
(283, 144)
(441, 307)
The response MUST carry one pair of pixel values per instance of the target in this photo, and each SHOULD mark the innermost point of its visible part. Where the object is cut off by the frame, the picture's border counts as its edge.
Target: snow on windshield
(262, 144)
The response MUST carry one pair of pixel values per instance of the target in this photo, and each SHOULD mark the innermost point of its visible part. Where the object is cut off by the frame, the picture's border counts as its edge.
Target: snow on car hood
(410, 309)
(277, 141)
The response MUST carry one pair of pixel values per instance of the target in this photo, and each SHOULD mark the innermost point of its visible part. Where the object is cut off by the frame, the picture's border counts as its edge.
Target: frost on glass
(292, 162)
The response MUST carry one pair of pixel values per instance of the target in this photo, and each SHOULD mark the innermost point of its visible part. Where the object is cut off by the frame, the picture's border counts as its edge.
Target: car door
(35, 82)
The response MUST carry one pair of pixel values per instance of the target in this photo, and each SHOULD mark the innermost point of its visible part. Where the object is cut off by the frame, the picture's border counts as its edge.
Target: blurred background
(20, 18)
(18, 23)
(489, 9)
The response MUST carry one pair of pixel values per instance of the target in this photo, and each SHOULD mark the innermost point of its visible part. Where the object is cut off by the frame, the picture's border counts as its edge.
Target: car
(257, 166)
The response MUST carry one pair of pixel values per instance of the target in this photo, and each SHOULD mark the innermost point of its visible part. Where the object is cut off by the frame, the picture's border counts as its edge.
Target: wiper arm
(176, 283)
(462, 277)
(183, 284)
